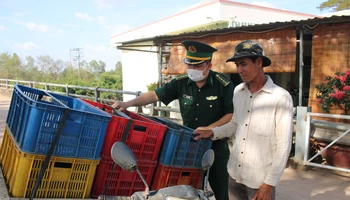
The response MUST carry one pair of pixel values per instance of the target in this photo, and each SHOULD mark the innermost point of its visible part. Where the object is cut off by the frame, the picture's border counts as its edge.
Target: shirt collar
(266, 88)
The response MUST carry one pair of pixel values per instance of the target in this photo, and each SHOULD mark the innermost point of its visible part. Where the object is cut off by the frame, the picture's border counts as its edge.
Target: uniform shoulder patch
(181, 77)
(224, 80)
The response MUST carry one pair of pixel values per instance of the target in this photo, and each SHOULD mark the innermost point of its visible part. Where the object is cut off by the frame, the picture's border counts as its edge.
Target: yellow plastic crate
(64, 177)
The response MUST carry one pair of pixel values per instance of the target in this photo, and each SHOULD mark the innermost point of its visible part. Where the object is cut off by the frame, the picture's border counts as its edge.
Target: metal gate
(309, 124)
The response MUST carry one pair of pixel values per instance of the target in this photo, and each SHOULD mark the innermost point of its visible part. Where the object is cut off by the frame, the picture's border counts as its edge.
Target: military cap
(249, 48)
(197, 52)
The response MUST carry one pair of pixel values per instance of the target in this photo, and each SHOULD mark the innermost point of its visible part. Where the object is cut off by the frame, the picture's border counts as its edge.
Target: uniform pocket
(186, 102)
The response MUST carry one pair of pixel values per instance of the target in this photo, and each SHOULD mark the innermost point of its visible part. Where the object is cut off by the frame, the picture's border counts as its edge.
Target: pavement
(296, 183)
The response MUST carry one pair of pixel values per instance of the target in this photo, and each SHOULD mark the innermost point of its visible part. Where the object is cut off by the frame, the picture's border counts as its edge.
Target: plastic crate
(121, 182)
(166, 176)
(26, 104)
(179, 148)
(34, 116)
(144, 138)
(64, 177)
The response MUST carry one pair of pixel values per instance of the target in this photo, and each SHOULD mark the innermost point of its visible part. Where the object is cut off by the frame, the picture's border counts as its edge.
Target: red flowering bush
(334, 91)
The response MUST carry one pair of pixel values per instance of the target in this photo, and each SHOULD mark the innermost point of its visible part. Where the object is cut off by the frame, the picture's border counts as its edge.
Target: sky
(55, 27)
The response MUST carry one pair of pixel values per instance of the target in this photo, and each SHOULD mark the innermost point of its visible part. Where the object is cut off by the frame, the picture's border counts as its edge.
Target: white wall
(139, 70)
(176, 22)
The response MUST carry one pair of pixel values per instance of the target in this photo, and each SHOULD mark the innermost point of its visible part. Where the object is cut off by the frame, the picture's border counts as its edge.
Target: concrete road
(295, 184)
(4, 106)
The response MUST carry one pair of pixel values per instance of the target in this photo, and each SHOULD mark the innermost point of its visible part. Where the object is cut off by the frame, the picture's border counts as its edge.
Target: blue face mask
(196, 74)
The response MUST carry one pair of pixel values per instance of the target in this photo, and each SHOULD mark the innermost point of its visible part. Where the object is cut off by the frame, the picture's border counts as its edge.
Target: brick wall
(330, 54)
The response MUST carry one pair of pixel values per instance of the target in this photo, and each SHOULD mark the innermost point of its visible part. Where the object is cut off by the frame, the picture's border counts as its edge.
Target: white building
(141, 61)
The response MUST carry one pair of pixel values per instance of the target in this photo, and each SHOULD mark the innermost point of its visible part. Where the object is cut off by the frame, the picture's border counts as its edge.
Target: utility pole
(77, 54)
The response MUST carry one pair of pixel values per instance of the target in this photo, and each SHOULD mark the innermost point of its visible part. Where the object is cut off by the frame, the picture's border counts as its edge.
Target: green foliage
(10, 66)
(118, 66)
(334, 91)
(46, 69)
(152, 86)
(98, 67)
(111, 80)
(335, 5)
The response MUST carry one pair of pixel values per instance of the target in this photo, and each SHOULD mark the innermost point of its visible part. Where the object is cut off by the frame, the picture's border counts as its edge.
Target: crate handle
(63, 165)
(185, 173)
(193, 136)
(140, 128)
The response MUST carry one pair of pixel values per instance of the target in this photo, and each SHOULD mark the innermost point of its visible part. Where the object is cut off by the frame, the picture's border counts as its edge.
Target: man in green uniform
(205, 99)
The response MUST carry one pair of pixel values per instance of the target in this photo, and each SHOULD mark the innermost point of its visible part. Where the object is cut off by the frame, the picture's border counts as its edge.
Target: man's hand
(120, 105)
(202, 132)
(264, 192)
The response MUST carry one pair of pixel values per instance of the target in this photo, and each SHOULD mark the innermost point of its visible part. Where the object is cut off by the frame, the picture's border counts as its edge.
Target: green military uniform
(201, 107)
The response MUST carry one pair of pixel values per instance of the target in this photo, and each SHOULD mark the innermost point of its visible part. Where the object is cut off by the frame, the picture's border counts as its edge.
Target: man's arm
(218, 132)
(144, 99)
(223, 120)
(283, 132)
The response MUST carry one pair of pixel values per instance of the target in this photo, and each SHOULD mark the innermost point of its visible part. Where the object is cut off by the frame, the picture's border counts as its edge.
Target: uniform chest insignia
(187, 96)
(222, 79)
(211, 98)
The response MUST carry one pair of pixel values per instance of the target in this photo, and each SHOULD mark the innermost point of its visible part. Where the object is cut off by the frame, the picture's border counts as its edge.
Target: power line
(77, 54)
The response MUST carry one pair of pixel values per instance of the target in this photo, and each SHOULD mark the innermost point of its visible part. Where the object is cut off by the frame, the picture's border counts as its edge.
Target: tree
(50, 67)
(5, 65)
(97, 67)
(10, 66)
(335, 5)
(102, 66)
(118, 66)
(84, 65)
(31, 72)
(119, 71)
(110, 80)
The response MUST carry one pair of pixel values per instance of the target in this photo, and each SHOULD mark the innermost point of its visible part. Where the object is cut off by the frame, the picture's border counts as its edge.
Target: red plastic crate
(144, 138)
(121, 182)
(166, 176)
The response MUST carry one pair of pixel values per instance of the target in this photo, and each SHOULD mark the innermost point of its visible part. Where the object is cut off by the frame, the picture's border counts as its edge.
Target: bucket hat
(249, 48)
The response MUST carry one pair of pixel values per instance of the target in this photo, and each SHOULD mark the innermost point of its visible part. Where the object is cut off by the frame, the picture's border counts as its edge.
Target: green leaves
(47, 69)
(335, 5)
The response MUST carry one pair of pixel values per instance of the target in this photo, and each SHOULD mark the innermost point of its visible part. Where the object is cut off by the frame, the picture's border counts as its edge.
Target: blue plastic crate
(179, 148)
(34, 116)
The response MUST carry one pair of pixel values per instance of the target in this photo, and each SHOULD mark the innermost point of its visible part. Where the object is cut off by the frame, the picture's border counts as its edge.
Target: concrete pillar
(300, 134)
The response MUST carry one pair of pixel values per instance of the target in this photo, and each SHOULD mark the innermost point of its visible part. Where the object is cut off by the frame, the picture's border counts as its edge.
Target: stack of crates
(180, 157)
(144, 137)
(32, 122)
